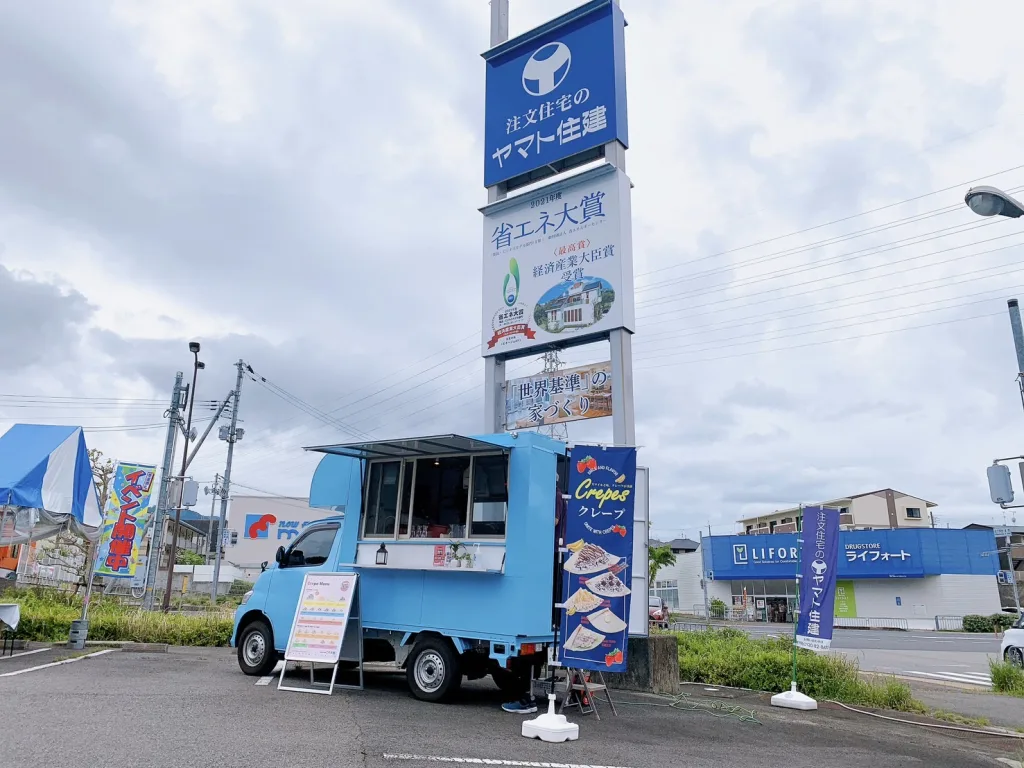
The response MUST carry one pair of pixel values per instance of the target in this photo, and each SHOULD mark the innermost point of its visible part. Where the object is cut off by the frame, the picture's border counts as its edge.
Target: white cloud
(297, 184)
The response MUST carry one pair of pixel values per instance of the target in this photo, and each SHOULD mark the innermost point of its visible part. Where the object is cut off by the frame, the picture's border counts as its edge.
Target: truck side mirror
(263, 566)
(279, 556)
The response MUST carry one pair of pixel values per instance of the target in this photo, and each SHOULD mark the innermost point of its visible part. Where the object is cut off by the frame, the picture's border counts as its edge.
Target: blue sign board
(555, 91)
(818, 570)
(881, 554)
(595, 576)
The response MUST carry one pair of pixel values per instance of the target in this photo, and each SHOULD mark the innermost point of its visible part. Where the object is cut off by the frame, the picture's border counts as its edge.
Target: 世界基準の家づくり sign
(558, 264)
(556, 397)
(597, 571)
(555, 92)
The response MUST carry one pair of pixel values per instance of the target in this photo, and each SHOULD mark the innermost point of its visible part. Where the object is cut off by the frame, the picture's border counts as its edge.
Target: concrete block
(652, 666)
(145, 647)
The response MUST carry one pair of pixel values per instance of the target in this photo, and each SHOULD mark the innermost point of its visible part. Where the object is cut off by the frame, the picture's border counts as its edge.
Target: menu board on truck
(318, 630)
(596, 572)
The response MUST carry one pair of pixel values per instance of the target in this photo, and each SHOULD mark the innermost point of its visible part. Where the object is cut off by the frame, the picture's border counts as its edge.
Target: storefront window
(443, 497)
(490, 496)
(382, 499)
(440, 498)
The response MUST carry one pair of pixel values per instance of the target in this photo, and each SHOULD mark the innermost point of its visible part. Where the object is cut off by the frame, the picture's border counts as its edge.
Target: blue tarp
(45, 483)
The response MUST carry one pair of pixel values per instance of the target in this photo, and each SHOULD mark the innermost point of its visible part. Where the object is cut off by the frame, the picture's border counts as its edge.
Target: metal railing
(949, 623)
(739, 615)
(872, 622)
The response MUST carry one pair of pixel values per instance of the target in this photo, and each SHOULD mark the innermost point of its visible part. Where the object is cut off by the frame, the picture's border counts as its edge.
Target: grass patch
(1006, 678)
(955, 719)
(733, 658)
(47, 617)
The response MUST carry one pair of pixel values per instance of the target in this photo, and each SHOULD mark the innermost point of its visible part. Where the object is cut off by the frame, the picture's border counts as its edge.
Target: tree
(71, 551)
(188, 557)
(658, 558)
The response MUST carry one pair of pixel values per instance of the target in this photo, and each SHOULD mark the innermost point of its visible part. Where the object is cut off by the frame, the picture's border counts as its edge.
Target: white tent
(46, 483)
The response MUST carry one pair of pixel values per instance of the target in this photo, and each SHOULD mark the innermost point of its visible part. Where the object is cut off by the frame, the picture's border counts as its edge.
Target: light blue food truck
(454, 542)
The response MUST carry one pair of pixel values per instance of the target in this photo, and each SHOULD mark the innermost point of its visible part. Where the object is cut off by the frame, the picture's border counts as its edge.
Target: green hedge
(733, 658)
(47, 617)
(997, 622)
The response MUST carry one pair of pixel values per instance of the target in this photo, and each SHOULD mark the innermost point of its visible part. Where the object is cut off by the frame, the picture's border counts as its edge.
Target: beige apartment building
(886, 508)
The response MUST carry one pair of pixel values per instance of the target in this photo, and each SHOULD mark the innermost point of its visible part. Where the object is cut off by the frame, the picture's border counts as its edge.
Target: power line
(701, 330)
(960, 185)
(825, 341)
(719, 343)
(302, 405)
(746, 298)
(830, 261)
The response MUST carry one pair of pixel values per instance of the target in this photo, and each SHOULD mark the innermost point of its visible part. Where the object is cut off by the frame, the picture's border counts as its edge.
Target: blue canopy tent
(46, 483)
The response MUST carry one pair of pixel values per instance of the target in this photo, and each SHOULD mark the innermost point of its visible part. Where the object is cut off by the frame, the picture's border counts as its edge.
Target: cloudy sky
(296, 184)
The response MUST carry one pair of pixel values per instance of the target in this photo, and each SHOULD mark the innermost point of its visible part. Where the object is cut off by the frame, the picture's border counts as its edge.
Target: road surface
(193, 707)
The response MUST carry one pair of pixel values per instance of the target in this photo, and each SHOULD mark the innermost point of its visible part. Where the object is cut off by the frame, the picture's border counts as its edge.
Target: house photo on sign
(558, 264)
(562, 396)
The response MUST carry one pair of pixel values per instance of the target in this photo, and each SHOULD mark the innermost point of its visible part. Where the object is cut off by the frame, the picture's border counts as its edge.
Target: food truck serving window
(452, 497)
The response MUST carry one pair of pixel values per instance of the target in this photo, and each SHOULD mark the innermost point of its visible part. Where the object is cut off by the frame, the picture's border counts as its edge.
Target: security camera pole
(193, 347)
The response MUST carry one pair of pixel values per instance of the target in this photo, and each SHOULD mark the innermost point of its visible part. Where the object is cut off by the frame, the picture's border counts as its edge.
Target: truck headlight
(246, 596)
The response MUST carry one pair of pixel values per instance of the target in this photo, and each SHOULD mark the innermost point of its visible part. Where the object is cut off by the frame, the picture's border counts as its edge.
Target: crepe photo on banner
(597, 567)
(819, 562)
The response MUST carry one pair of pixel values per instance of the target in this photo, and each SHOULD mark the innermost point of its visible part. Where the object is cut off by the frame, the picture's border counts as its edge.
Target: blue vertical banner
(597, 567)
(819, 565)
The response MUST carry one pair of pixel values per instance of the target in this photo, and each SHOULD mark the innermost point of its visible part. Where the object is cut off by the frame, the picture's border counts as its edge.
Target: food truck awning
(413, 447)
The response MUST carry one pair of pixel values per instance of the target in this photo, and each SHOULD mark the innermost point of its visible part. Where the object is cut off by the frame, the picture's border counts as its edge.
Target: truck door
(310, 552)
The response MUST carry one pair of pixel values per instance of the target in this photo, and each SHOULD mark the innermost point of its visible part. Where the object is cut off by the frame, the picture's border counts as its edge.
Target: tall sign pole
(558, 262)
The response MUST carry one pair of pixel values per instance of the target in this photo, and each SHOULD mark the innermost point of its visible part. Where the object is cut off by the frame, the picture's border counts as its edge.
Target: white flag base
(551, 727)
(793, 699)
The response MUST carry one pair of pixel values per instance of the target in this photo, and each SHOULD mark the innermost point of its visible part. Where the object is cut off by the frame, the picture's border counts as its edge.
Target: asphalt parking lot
(193, 707)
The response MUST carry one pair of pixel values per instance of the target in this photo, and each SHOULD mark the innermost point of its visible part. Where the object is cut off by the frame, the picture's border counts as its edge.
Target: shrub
(974, 623)
(1002, 621)
(47, 617)
(732, 658)
(717, 609)
(1006, 678)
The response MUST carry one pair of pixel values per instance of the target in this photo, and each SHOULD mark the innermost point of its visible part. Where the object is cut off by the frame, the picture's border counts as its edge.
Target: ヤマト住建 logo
(546, 69)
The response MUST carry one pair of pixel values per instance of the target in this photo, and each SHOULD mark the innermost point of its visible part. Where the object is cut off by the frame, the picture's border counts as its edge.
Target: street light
(990, 201)
(193, 347)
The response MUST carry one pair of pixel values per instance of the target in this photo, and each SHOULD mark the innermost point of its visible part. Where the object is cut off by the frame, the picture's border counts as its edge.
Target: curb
(145, 647)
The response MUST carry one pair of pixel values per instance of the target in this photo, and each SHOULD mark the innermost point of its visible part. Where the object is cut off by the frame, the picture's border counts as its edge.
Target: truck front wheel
(256, 654)
(433, 670)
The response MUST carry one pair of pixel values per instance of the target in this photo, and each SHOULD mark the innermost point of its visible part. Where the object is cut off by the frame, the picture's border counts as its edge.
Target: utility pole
(153, 561)
(213, 509)
(193, 347)
(1018, 342)
(233, 436)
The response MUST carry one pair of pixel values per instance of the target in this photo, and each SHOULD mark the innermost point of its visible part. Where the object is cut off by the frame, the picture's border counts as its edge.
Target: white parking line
(956, 677)
(489, 761)
(23, 653)
(57, 663)
(267, 679)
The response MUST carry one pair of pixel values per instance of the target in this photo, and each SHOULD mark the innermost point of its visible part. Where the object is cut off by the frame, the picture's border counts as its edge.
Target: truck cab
(454, 541)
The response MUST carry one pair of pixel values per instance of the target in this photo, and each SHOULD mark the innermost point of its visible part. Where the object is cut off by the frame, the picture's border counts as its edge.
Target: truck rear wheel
(433, 670)
(256, 654)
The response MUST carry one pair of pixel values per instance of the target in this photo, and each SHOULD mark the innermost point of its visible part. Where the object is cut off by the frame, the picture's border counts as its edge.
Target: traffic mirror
(1000, 487)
